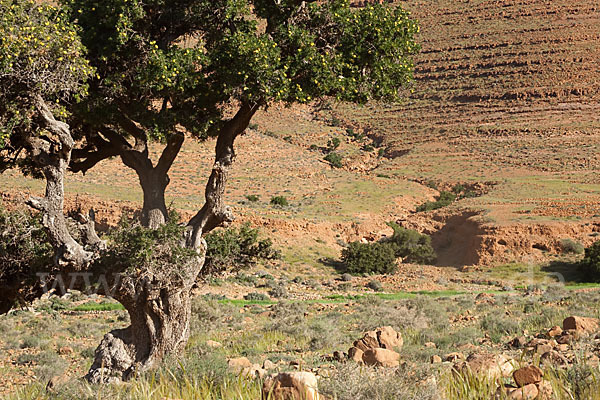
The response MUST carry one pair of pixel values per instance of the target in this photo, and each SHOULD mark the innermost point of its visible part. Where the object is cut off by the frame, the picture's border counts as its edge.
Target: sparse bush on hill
(369, 258)
(237, 248)
(571, 246)
(253, 198)
(279, 201)
(411, 245)
(591, 262)
(334, 159)
(443, 200)
(333, 144)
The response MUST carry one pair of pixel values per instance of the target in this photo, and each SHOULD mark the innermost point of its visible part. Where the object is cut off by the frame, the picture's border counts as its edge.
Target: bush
(443, 200)
(591, 262)
(333, 144)
(412, 246)
(279, 201)
(24, 250)
(334, 159)
(239, 248)
(571, 246)
(369, 258)
(256, 297)
(375, 285)
(252, 198)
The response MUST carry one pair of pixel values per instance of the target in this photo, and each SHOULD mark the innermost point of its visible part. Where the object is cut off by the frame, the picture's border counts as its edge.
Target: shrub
(333, 144)
(411, 245)
(375, 285)
(239, 248)
(279, 201)
(252, 198)
(278, 292)
(591, 262)
(369, 258)
(443, 200)
(334, 159)
(571, 246)
(256, 297)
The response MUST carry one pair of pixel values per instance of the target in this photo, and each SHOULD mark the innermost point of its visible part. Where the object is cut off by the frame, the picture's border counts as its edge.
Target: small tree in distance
(104, 79)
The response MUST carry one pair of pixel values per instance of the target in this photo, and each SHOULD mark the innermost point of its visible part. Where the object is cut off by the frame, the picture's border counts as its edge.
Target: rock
(555, 331)
(545, 391)
(554, 358)
(381, 358)
(581, 324)
(483, 364)
(435, 359)
(291, 386)
(388, 338)
(528, 392)
(527, 375)
(454, 357)
(65, 350)
(543, 348)
(238, 364)
(430, 345)
(254, 371)
(518, 342)
(268, 364)
(213, 344)
(356, 354)
(339, 356)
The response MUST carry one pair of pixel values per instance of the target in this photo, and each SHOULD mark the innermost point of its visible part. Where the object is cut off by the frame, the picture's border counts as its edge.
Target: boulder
(528, 392)
(254, 371)
(291, 386)
(581, 324)
(492, 366)
(454, 357)
(527, 375)
(381, 358)
(545, 391)
(554, 358)
(555, 331)
(356, 354)
(268, 364)
(435, 359)
(388, 338)
(518, 342)
(238, 364)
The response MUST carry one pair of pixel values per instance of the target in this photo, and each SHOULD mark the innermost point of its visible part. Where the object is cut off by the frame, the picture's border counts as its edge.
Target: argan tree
(166, 71)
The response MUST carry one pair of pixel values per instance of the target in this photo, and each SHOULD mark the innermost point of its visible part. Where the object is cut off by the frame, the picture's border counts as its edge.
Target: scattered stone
(528, 392)
(268, 364)
(555, 331)
(545, 391)
(483, 364)
(254, 371)
(65, 350)
(381, 358)
(389, 338)
(581, 324)
(356, 355)
(213, 344)
(543, 348)
(527, 375)
(435, 359)
(430, 345)
(553, 357)
(454, 357)
(238, 364)
(291, 386)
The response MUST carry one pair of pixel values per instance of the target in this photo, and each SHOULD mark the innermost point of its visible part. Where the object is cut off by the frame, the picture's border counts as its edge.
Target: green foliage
(334, 159)
(254, 296)
(369, 258)
(132, 246)
(443, 200)
(238, 248)
(591, 262)
(333, 144)
(279, 201)
(253, 198)
(571, 246)
(375, 285)
(40, 53)
(411, 245)
(24, 250)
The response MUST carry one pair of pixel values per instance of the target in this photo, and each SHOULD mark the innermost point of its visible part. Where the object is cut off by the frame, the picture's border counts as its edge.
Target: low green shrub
(252, 198)
(591, 262)
(334, 159)
(236, 248)
(369, 258)
(333, 144)
(412, 246)
(279, 201)
(571, 246)
(254, 296)
(443, 200)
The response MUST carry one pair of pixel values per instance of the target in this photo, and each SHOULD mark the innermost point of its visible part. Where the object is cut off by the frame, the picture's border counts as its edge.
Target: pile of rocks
(377, 348)
(529, 385)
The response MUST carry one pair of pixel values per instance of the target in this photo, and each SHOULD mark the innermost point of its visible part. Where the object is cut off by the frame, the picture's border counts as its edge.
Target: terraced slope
(505, 91)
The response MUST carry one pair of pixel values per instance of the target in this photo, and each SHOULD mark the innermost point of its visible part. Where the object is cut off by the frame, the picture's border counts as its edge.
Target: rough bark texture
(158, 302)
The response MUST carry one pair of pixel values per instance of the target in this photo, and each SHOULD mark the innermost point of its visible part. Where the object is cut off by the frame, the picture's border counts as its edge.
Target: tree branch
(170, 152)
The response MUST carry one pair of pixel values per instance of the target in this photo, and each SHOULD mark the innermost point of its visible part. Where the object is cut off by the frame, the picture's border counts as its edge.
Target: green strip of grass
(92, 306)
